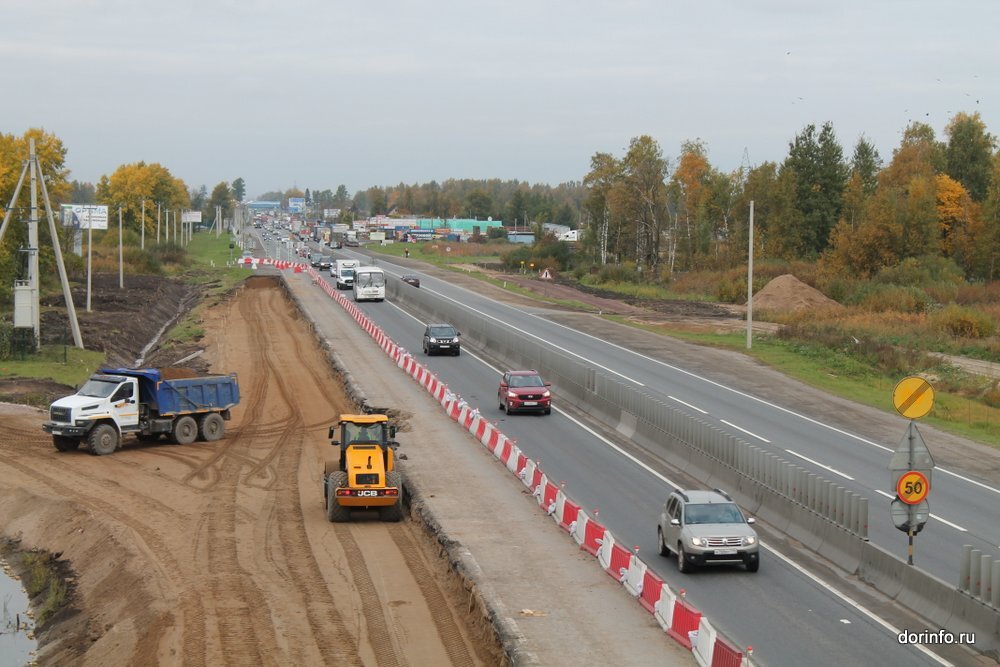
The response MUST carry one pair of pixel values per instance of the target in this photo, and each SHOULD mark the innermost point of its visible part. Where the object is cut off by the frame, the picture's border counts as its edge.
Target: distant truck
(343, 271)
(118, 401)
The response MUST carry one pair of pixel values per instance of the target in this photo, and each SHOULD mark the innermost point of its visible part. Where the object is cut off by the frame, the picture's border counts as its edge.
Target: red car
(524, 391)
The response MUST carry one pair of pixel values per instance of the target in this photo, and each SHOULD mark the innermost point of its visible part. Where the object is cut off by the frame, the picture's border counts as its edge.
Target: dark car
(411, 280)
(325, 262)
(524, 391)
(442, 338)
(314, 260)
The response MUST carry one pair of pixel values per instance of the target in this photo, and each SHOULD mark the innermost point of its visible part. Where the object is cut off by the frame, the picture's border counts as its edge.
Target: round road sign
(912, 487)
(913, 397)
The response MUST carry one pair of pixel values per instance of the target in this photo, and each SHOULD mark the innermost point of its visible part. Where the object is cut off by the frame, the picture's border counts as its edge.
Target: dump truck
(364, 476)
(117, 401)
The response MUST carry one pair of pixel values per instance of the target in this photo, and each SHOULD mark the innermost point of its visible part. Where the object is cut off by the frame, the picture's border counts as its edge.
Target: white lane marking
(539, 338)
(673, 398)
(750, 433)
(817, 463)
(857, 606)
(933, 516)
(752, 398)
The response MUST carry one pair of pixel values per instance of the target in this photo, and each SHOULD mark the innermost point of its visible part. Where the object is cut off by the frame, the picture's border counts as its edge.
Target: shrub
(881, 298)
(991, 396)
(963, 322)
(921, 271)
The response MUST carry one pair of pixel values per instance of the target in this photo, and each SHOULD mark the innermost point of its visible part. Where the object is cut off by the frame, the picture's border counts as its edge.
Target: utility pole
(121, 254)
(142, 227)
(750, 284)
(90, 254)
(33, 170)
(157, 223)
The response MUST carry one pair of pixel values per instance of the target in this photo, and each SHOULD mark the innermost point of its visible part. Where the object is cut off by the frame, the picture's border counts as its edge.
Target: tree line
(854, 216)
(934, 198)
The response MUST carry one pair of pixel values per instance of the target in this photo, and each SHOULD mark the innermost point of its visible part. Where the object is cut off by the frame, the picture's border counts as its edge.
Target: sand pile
(787, 292)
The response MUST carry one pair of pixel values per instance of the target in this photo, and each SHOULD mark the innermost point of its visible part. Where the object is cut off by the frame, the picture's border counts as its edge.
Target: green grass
(844, 376)
(422, 251)
(64, 364)
(646, 291)
(42, 578)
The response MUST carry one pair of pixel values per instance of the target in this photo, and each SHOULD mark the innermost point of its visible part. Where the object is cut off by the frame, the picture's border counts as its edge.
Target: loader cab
(363, 432)
(351, 432)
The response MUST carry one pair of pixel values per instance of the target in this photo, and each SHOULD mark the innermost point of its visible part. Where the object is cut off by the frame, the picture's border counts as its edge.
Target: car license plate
(55, 432)
(725, 552)
(444, 346)
(531, 403)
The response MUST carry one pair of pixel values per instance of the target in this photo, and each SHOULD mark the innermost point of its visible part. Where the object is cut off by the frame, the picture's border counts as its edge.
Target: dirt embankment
(220, 553)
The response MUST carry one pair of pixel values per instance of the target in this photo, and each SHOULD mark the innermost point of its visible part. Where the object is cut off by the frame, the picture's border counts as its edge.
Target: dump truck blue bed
(210, 393)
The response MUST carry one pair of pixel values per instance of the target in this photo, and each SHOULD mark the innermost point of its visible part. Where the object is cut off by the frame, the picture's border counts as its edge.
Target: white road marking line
(673, 398)
(564, 350)
(817, 463)
(750, 433)
(933, 516)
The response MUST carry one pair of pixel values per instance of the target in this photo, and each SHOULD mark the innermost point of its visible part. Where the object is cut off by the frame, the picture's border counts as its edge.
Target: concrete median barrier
(841, 547)
(881, 569)
(805, 526)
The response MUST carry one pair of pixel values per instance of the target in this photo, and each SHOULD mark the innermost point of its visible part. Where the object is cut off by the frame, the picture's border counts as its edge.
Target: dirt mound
(787, 293)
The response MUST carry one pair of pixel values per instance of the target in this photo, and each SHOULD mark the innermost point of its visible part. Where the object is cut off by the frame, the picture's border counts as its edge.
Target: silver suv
(706, 526)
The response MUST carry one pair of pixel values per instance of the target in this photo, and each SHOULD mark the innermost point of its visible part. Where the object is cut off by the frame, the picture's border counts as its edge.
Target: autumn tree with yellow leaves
(132, 184)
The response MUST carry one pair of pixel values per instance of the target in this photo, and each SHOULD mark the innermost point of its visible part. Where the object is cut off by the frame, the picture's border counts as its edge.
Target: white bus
(369, 283)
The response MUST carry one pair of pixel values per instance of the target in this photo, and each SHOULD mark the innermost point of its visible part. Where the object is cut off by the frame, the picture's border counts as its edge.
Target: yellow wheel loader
(365, 476)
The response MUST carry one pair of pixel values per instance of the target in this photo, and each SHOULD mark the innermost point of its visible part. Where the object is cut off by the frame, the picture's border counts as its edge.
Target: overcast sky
(320, 93)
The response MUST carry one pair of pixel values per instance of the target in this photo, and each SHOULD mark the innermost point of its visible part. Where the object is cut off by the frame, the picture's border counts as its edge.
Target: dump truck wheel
(102, 440)
(393, 512)
(211, 427)
(185, 430)
(336, 512)
(64, 444)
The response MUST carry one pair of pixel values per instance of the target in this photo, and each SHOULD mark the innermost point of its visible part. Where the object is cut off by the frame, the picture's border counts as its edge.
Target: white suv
(706, 526)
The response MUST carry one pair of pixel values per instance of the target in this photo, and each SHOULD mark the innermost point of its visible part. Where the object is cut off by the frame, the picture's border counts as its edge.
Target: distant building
(263, 205)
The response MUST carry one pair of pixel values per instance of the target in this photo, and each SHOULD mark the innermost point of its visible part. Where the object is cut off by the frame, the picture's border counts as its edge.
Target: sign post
(912, 465)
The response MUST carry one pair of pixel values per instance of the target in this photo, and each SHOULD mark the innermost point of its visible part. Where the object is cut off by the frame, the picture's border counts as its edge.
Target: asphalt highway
(783, 611)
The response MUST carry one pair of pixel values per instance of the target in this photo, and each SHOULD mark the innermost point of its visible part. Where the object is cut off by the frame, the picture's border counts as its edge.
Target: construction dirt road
(221, 553)
(209, 553)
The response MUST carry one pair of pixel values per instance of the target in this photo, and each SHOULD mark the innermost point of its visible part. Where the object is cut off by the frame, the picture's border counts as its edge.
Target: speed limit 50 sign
(912, 487)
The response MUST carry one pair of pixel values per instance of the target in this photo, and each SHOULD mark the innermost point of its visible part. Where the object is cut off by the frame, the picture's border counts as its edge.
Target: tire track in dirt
(245, 628)
(448, 629)
(371, 605)
(301, 566)
(271, 390)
